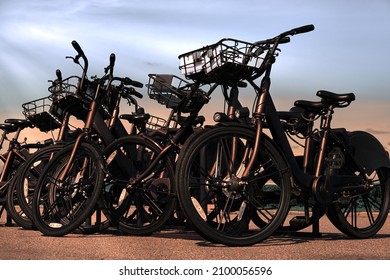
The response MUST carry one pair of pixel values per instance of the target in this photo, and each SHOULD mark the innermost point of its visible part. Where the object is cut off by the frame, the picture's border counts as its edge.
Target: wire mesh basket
(67, 95)
(43, 113)
(170, 91)
(227, 60)
(155, 122)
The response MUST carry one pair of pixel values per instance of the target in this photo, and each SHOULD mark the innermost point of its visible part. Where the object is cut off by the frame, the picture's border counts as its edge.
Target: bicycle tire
(208, 191)
(60, 207)
(145, 208)
(14, 208)
(371, 206)
(28, 175)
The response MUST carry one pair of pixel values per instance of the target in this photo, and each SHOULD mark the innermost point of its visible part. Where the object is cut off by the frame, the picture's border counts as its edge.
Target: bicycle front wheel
(14, 209)
(28, 175)
(215, 197)
(60, 206)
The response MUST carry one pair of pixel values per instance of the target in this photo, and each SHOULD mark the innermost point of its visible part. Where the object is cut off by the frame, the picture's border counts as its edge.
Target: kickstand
(9, 221)
(316, 222)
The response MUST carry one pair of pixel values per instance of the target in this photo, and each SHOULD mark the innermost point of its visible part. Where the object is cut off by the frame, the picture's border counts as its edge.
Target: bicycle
(6, 128)
(59, 208)
(134, 203)
(16, 154)
(139, 192)
(46, 115)
(235, 182)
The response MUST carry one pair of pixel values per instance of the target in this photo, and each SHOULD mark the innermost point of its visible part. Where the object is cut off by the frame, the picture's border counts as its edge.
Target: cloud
(374, 131)
(147, 37)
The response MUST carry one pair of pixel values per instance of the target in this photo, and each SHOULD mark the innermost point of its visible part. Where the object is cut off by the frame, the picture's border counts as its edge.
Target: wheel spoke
(368, 208)
(260, 209)
(375, 203)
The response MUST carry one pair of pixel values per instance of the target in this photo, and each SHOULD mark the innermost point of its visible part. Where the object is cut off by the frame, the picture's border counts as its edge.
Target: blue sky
(347, 51)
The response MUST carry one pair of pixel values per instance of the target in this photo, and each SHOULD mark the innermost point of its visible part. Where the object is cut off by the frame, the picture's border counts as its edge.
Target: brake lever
(75, 60)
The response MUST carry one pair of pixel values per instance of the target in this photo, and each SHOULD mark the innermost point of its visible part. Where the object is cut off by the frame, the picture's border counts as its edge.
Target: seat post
(325, 126)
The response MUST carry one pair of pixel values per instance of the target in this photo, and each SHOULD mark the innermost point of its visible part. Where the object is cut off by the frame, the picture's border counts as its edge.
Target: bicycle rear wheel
(143, 208)
(217, 200)
(59, 207)
(361, 214)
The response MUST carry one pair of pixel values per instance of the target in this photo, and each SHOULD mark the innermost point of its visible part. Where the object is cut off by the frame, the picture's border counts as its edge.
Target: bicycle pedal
(298, 221)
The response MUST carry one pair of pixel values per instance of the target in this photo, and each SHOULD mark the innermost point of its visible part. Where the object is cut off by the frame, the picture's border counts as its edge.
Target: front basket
(227, 60)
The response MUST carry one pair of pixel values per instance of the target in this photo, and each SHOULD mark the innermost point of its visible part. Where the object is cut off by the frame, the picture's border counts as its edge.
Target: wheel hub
(234, 183)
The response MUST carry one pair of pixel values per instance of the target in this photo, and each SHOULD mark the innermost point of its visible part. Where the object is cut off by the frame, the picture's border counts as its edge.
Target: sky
(347, 51)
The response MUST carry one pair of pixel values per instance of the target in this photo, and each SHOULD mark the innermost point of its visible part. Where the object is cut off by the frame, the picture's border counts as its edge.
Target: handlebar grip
(59, 75)
(77, 47)
(302, 29)
(112, 60)
(136, 93)
(128, 81)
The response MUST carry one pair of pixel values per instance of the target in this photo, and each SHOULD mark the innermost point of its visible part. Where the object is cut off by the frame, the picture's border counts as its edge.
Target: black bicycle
(54, 112)
(139, 192)
(235, 181)
(17, 153)
(67, 190)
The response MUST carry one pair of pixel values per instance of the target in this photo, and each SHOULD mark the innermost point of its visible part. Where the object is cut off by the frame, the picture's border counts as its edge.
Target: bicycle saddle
(135, 118)
(311, 106)
(331, 96)
(22, 123)
(8, 127)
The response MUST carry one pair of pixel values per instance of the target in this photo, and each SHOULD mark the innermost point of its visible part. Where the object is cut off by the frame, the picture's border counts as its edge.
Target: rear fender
(368, 151)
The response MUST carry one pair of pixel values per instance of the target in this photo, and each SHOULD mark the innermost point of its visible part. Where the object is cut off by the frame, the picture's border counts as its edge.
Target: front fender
(368, 151)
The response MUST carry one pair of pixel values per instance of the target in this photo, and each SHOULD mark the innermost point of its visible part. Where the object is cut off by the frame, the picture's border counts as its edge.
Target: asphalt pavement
(182, 244)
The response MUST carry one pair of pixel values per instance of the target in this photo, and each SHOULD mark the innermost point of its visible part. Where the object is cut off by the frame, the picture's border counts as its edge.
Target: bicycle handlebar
(77, 47)
(129, 82)
(81, 54)
(282, 38)
(110, 66)
(59, 75)
(112, 60)
(132, 91)
(126, 92)
(299, 30)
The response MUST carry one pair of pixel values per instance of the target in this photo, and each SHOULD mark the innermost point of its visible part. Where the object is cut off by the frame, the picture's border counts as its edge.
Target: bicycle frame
(108, 131)
(265, 111)
(96, 121)
(14, 151)
(179, 137)
(14, 154)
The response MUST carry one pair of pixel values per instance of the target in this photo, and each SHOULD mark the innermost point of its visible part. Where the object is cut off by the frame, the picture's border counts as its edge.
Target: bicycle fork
(80, 138)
